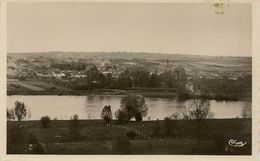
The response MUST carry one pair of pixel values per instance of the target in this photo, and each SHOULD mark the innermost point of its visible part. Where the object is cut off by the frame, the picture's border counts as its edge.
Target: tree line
(69, 66)
(136, 77)
(221, 88)
(224, 88)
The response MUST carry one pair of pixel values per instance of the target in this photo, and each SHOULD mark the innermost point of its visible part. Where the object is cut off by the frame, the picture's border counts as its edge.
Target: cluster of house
(40, 67)
(59, 74)
(215, 75)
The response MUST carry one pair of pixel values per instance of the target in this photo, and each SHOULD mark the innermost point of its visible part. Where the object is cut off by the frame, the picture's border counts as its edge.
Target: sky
(183, 28)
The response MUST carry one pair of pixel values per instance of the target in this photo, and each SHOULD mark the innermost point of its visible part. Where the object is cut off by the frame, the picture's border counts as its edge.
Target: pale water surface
(89, 107)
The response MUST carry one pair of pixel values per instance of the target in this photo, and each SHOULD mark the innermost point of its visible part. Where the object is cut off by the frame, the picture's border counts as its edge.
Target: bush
(45, 120)
(131, 134)
(121, 145)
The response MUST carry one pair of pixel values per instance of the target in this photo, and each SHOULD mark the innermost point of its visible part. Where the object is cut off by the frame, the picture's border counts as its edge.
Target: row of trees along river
(220, 88)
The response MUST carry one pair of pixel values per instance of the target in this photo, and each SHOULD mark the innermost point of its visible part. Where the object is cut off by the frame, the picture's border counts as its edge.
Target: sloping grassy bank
(98, 138)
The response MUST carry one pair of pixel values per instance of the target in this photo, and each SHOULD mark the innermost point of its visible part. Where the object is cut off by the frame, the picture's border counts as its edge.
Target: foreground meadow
(146, 137)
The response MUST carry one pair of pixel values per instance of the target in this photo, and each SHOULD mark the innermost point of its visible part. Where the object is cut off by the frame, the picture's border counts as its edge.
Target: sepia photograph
(116, 78)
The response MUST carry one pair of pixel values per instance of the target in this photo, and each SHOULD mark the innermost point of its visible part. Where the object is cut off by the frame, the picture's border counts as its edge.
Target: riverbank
(39, 87)
(155, 93)
(98, 138)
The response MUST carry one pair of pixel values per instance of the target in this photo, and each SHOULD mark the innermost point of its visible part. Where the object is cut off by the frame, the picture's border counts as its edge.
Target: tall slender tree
(20, 110)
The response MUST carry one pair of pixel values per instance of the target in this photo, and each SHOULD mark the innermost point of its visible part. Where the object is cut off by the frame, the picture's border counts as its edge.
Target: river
(89, 107)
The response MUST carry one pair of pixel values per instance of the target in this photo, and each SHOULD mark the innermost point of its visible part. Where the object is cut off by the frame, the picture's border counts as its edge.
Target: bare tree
(10, 114)
(20, 110)
(199, 110)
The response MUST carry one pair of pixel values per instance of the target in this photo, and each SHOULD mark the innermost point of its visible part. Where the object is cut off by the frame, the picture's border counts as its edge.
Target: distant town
(58, 71)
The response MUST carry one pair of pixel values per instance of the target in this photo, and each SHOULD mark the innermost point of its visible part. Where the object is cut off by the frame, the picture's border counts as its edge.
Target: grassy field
(27, 85)
(46, 86)
(37, 85)
(98, 138)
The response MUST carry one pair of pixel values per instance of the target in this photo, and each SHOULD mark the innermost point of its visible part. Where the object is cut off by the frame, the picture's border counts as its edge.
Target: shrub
(121, 145)
(45, 120)
(131, 134)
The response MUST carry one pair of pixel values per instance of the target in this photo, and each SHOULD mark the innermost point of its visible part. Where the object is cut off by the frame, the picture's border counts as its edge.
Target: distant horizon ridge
(124, 52)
